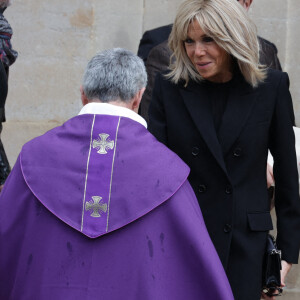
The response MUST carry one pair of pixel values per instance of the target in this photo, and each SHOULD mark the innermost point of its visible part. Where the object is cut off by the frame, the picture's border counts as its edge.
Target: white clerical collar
(111, 110)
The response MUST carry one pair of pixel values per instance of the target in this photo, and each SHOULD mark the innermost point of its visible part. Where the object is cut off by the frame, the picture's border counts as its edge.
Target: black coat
(4, 164)
(228, 169)
(3, 89)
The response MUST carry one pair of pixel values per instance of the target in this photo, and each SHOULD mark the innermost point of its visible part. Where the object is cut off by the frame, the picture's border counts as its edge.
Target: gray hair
(114, 74)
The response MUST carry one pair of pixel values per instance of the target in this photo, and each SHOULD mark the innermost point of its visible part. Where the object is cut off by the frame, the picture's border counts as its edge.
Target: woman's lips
(203, 65)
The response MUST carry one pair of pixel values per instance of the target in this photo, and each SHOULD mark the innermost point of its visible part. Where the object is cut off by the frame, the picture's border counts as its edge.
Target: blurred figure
(4, 165)
(7, 54)
(101, 209)
(7, 57)
(152, 38)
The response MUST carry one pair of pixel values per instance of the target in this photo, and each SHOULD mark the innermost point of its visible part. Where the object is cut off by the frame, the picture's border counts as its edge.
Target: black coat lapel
(239, 106)
(199, 107)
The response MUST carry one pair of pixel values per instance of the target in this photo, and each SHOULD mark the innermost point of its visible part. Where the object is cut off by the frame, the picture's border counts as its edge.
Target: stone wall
(55, 40)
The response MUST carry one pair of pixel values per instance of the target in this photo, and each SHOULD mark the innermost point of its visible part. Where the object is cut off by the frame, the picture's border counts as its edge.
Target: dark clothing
(3, 87)
(7, 54)
(158, 61)
(219, 93)
(159, 57)
(268, 54)
(4, 164)
(151, 39)
(228, 170)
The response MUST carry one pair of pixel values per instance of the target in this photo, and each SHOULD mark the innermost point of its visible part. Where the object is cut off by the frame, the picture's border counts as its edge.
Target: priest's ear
(84, 99)
(137, 100)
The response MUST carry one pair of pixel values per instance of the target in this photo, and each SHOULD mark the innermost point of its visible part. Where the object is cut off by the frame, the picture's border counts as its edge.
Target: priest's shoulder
(65, 126)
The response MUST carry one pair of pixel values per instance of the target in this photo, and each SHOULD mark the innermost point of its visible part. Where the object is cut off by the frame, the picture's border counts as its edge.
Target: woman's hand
(270, 177)
(264, 296)
(286, 267)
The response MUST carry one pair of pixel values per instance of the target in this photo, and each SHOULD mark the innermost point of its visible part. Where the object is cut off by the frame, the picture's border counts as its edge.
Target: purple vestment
(98, 209)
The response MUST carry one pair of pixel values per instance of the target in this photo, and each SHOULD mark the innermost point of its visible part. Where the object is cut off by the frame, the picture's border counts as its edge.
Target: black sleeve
(157, 116)
(268, 55)
(158, 61)
(276, 62)
(146, 44)
(3, 85)
(282, 147)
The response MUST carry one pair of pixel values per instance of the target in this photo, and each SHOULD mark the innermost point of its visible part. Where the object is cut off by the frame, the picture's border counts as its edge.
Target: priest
(98, 209)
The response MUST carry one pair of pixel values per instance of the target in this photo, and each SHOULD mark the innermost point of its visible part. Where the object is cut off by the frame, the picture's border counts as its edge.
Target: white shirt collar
(111, 110)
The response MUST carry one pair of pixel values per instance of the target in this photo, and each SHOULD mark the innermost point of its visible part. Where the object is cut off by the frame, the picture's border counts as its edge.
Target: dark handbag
(271, 269)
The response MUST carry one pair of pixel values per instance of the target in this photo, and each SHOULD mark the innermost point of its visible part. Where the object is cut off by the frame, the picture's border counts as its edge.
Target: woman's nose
(200, 49)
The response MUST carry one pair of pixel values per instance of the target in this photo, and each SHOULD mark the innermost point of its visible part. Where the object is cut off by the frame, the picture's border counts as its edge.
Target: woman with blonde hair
(220, 111)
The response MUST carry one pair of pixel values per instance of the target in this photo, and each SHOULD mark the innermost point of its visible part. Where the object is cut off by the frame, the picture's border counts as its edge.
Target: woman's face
(211, 61)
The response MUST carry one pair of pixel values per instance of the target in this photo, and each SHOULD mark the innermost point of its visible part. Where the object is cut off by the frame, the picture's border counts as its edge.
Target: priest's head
(115, 76)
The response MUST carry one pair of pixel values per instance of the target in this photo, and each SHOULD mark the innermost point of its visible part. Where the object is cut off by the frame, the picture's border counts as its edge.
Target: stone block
(159, 12)
(15, 134)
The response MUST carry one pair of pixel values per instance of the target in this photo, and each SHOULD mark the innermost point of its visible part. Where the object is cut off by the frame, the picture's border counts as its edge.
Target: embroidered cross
(97, 206)
(103, 143)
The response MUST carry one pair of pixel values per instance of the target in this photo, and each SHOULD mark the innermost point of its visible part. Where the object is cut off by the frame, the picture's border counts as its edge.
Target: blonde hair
(227, 22)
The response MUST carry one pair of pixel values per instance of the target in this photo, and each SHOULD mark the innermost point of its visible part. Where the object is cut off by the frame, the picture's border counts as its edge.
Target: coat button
(202, 188)
(227, 228)
(228, 190)
(237, 152)
(195, 151)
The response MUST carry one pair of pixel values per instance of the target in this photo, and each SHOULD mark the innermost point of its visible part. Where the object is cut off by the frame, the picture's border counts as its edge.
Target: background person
(4, 165)
(98, 208)
(7, 56)
(221, 112)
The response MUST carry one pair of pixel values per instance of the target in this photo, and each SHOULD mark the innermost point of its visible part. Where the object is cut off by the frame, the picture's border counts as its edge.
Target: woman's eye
(208, 39)
(188, 41)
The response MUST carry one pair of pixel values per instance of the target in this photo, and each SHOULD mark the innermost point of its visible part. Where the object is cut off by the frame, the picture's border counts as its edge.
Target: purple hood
(87, 171)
